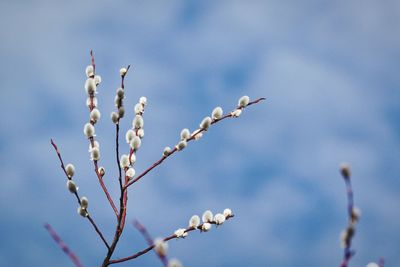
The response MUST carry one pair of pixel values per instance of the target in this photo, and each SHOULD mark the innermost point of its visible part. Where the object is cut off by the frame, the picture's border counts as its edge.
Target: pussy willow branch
(229, 115)
(140, 227)
(348, 253)
(91, 140)
(77, 195)
(149, 248)
(63, 246)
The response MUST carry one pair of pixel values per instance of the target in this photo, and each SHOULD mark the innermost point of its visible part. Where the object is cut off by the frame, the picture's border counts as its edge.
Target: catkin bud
(180, 233)
(228, 212)
(81, 211)
(95, 153)
(205, 123)
(194, 221)
(140, 133)
(95, 144)
(181, 145)
(176, 263)
(217, 113)
(167, 151)
(135, 143)
(207, 216)
(219, 218)
(114, 117)
(122, 71)
(88, 130)
(120, 93)
(236, 113)
(371, 264)
(130, 134)
(138, 122)
(117, 101)
(90, 86)
(124, 161)
(70, 170)
(160, 247)
(138, 109)
(84, 202)
(185, 134)
(72, 186)
(89, 71)
(345, 170)
(130, 172)
(197, 135)
(97, 79)
(132, 158)
(205, 227)
(121, 112)
(243, 101)
(102, 171)
(143, 100)
(95, 115)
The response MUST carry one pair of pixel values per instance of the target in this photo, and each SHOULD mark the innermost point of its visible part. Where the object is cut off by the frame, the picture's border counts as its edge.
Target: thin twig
(229, 115)
(63, 246)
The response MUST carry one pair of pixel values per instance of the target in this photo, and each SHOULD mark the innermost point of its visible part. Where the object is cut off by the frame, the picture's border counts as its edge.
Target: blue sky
(329, 71)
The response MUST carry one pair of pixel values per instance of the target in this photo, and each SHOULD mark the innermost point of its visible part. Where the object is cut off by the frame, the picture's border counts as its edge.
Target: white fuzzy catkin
(124, 161)
(88, 130)
(217, 113)
(90, 86)
(70, 170)
(138, 109)
(135, 143)
(130, 172)
(122, 71)
(117, 101)
(120, 93)
(95, 153)
(167, 151)
(197, 135)
(95, 115)
(81, 211)
(181, 145)
(130, 134)
(243, 101)
(102, 171)
(236, 113)
(219, 218)
(160, 246)
(84, 202)
(95, 144)
(138, 122)
(132, 158)
(143, 100)
(174, 263)
(372, 264)
(89, 101)
(227, 212)
(121, 112)
(114, 117)
(194, 221)
(205, 123)
(89, 71)
(206, 227)
(207, 216)
(180, 233)
(72, 186)
(97, 79)
(140, 133)
(185, 134)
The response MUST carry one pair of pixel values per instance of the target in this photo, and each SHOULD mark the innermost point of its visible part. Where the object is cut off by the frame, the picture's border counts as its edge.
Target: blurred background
(329, 71)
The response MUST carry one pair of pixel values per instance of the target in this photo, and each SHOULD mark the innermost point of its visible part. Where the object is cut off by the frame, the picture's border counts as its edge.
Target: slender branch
(77, 195)
(63, 246)
(229, 115)
(150, 247)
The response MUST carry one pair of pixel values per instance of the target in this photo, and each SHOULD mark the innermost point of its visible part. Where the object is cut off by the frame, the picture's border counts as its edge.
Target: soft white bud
(217, 113)
(81, 211)
(117, 101)
(138, 122)
(372, 264)
(120, 93)
(227, 212)
(167, 151)
(135, 143)
(124, 161)
(174, 263)
(95, 115)
(243, 101)
(143, 100)
(206, 227)
(97, 79)
(194, 221)
(101, 171)
(89, 71)
(219, 218)
(114, 117)
(95, 153)
(140, 133)
(90, 86)
(205, 123)
(181, 145)
(72, 186)
(88, 130)
(180, 233)
(129, 135)
(160, 247)
(89, 101)
(185, 134)
(130, 172)
(122, 71)
(138, 109)
(84, 202)
(207, 216)
(197, 135)
(121, 112)
(132, 158)
(95, 144)
(70, 170)
(236, 113)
